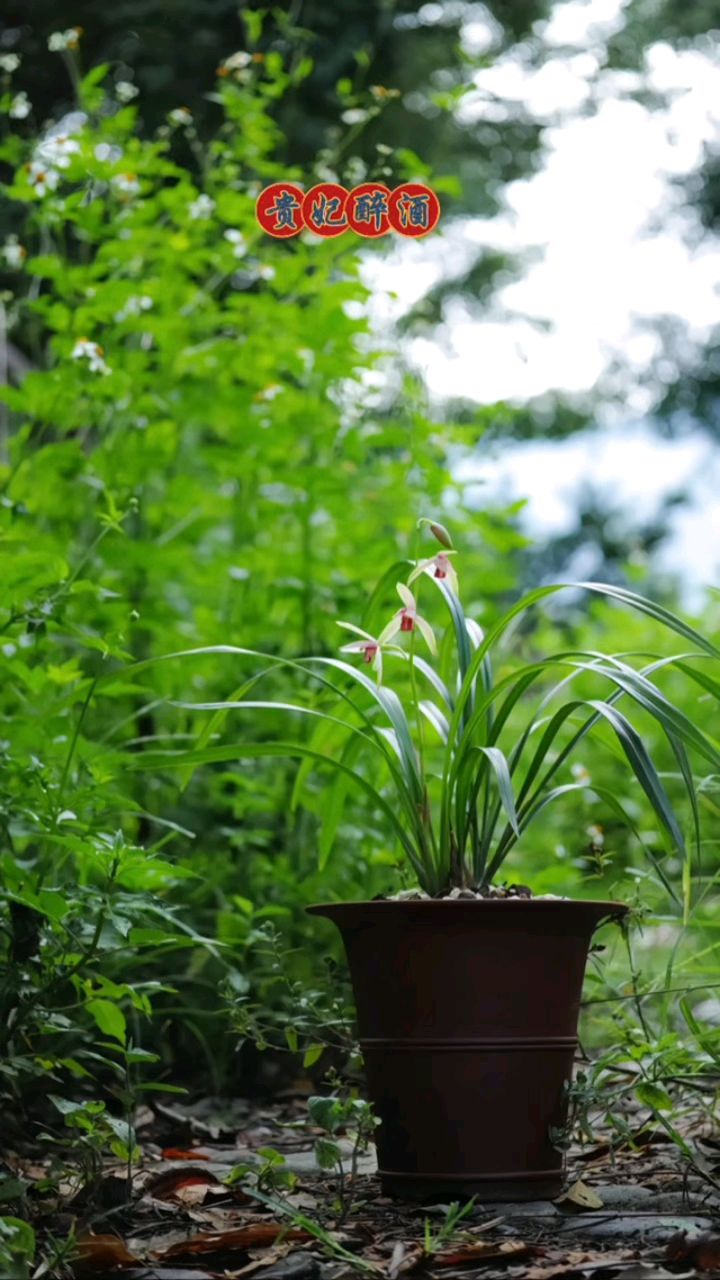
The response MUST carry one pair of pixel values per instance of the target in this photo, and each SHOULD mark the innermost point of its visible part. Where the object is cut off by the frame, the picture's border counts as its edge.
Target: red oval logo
(324, 209)
(279, 210)
(367, 209)
(413, 209)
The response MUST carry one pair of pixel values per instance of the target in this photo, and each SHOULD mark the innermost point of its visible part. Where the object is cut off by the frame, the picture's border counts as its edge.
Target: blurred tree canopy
(172, 48)
(398, 71)
(693, 397)
(420, 58)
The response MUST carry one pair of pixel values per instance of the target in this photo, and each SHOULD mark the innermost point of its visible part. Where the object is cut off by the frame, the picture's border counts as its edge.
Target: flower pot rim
(595, 906)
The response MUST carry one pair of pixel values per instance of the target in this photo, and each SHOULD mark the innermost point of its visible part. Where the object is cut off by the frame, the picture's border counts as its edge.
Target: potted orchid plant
(468, 992)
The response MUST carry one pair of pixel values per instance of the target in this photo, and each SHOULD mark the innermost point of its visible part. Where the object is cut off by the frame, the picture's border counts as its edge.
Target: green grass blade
(436, 718)
(499, 766)
(644, 770)
(428, 672)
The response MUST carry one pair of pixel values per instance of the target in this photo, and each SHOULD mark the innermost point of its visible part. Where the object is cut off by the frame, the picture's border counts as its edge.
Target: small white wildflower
(57, 150)
(9, 650)
(9, 62)
(84, 349)
(20, 107)
(134, 307)
(201, 208)
(42, 178)
(266, 273)
(597, 835)
(236, 62)
(61, 40)
(104, 151)
(270, 392)
(72, 122)
(357, 170)
(354, 115)
(580, 773)
(14, 253)
(126, 91)
(126, 184)
(238, 242)
(180, 116)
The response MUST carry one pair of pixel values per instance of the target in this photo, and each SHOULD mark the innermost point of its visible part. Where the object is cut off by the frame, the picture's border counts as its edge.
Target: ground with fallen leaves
(631, 1211)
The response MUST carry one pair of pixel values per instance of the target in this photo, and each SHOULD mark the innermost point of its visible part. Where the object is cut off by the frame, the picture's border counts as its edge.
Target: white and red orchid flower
(407, 619)
(367, 645)
(439, 566)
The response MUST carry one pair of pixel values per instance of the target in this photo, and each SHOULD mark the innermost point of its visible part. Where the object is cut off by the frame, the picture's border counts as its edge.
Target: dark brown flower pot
(467, 1014)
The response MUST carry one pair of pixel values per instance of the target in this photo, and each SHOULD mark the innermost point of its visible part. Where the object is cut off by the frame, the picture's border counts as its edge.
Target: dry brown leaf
(301, 1200)
(635, 1144)
(249, 1237)
(578, 1261)
(175, 1184)
(486, 1251)
(178, 1153)
(701, 1252)
(270, 1256)
(169, 1273)
(212, 1216)
(580, 1197)
(33, 1171)
(106, 1251)
(597, 1152)
(405, 1257)
(486, 1226)
(195, 1193)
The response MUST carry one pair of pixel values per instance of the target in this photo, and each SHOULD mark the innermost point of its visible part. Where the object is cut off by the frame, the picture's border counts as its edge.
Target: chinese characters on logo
(279, 209)
(372, 209)
(324, 209)
(413, 209)
(367, 210)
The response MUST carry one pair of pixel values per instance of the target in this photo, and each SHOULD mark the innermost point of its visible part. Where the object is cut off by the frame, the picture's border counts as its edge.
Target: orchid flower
(438, 566)
(407, 619)
(367, 645)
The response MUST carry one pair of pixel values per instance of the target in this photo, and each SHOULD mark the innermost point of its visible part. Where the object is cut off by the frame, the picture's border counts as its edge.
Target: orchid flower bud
(440, 532)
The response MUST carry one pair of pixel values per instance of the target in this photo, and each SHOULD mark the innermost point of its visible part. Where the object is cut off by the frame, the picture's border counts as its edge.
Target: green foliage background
(230, 479)
(239, 475)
